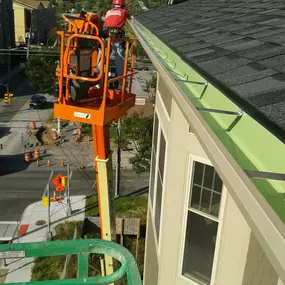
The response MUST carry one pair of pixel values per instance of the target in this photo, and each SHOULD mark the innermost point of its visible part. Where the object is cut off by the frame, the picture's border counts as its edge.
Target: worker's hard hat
(119, 2)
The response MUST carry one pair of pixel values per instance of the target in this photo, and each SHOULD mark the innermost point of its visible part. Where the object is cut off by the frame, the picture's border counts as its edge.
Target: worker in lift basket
(116, 18)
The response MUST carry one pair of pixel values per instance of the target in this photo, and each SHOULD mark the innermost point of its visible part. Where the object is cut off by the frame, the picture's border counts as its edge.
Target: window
(159, 186)
(165, 95)
(153, 156)
(202, 223)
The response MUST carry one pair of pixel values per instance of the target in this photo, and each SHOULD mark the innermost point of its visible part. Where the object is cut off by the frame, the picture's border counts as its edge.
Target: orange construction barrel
(33, 125)
(54, 135)
(27, 157)
(36, 153)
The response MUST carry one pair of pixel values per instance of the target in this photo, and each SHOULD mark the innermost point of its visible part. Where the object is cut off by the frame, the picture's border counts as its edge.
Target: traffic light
(7, 98)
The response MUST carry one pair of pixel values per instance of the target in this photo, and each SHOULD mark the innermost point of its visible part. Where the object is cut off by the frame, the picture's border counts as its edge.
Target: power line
(54, 55)
(31, 50)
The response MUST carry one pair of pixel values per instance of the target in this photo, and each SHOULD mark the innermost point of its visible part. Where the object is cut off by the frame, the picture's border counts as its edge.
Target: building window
(153, 157)
(202, 223)
(159, 187)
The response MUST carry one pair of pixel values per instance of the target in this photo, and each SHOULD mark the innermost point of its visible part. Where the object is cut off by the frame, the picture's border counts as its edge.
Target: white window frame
(153, 208)
(163, 106)
(191, 160)
(163, 191)
(152, 203)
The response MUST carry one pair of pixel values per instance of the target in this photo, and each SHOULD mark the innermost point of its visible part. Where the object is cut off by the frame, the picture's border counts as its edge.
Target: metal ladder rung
(265, 175)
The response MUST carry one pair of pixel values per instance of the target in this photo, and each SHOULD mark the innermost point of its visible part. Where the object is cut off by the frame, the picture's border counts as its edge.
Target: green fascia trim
(251, 145)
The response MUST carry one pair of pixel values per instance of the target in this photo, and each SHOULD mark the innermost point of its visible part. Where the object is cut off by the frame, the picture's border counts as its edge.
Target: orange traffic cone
(94, 164)
(54, 196)
(48, 163)
(62, 163)
(38, 163)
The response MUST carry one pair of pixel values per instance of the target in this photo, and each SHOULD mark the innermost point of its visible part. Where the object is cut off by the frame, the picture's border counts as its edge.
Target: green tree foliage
(151, 83)
(153, 4)
(41, 72)
(136, 131)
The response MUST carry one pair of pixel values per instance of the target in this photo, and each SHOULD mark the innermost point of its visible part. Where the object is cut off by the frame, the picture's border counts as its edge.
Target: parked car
(38, 101)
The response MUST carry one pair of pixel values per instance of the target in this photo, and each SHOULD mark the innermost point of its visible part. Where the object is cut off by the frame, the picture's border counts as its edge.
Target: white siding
(234, 246)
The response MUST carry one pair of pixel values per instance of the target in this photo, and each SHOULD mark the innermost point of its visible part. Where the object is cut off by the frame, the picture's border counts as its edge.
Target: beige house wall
(239, 260)
(151, 268)
(259, 270)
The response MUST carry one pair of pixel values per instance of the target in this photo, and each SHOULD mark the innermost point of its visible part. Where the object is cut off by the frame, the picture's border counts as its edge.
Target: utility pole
(9, 67)
(118, 166)
(68, 191)
(29, 42)
(58, 127)
(49, 233)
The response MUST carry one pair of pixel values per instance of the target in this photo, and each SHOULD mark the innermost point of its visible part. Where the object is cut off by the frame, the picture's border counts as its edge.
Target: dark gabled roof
(238, 45)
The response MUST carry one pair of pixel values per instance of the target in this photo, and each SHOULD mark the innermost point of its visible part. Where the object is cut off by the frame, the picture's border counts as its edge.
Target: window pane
(151, 187)
(215, 207)
(199, 247)
(158, 205)
(161, 155)
(198, 172)
(155, 132)
(206, 197)
(218, 184)
(209, 176)
(195, 197)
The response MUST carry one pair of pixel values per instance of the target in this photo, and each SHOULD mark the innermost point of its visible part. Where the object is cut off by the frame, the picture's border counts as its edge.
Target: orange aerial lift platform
(86, 95)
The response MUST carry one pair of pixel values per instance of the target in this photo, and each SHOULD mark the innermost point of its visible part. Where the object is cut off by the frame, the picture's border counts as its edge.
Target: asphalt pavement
(22, 91)
(22, 184)
(21, 188)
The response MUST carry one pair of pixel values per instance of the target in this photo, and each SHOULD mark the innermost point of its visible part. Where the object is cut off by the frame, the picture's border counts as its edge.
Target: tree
(41, 72)
(151, 83)
(136, 131)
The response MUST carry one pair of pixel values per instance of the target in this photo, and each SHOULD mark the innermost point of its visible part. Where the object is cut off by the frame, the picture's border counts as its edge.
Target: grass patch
(124, 207)
(131, 207)
(91, 206)
(86, 129)
(50, 268)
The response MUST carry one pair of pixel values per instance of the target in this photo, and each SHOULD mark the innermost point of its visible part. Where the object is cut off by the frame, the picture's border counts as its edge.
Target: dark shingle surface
(238, 45)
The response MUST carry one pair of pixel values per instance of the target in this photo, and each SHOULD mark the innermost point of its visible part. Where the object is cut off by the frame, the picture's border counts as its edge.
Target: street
(15, 116)
(19, 189)
(22, 184)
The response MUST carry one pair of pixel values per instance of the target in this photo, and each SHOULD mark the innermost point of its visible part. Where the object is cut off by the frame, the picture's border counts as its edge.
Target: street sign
(13, 254)
(140, 102)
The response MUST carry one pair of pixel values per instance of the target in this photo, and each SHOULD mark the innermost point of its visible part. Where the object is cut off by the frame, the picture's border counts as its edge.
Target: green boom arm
(81, 248)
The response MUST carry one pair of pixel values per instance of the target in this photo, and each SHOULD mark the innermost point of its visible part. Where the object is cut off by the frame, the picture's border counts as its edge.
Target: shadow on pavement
(138, 192)
(4, 131)
(12, 163)
(49, 105)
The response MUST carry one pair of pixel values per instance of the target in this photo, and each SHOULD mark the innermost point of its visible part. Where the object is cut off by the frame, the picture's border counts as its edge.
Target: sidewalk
(20, 269)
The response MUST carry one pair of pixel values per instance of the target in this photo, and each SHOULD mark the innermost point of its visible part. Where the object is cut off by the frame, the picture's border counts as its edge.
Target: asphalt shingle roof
(238, 45)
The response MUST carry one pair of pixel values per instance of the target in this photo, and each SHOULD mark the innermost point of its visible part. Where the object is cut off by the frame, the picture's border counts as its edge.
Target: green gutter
(251, 145)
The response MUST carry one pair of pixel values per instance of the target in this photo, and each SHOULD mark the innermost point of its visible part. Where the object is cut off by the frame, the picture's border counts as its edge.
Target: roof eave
(25, 5)
(263, 220)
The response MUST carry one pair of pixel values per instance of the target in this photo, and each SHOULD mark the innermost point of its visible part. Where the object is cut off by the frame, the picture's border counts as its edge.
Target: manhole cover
(40, 223)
